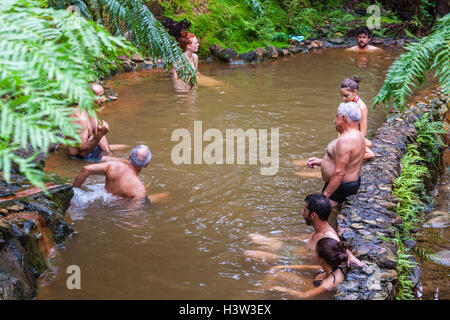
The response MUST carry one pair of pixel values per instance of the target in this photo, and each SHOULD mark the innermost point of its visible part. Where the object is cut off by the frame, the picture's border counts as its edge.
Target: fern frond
(45, 60)
(431, 53)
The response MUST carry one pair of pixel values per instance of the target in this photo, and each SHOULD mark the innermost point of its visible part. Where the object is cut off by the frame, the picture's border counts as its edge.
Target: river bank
(368, 221)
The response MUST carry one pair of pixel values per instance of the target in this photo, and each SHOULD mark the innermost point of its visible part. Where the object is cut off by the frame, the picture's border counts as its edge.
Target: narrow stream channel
(192, 247)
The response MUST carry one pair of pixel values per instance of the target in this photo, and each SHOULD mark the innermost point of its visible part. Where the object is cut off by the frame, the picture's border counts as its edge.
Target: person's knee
(368, 154)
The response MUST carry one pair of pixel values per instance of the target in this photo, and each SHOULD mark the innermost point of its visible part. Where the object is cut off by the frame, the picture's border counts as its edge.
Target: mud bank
(369, 217)
(31, 224)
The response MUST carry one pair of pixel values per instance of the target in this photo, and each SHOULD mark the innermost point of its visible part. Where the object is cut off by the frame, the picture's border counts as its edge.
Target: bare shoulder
(349, 140)
(373, 48)
(354, 48)
(330, 234)
(362, 105)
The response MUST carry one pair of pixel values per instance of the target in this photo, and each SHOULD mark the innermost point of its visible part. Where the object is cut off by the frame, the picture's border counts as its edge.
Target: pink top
(357, 99)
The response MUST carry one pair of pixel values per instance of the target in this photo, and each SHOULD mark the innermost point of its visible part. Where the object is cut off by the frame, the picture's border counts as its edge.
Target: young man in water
(316, 211)
(364, 36)
(344, 156)
(122, 179)
(94, 146)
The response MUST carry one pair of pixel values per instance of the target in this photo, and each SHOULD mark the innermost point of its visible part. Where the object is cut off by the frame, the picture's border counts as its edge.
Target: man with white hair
(122, 179)
(343, 160)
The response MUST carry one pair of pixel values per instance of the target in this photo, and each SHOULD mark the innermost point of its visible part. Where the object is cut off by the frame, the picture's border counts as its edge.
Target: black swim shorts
(95, 155)
(344, 190)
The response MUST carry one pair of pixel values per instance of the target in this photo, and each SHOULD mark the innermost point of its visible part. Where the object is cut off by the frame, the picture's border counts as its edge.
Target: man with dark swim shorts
(343, 160)
(94, 146)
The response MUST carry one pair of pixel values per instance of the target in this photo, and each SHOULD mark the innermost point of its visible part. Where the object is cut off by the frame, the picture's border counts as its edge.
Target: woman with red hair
(189, 44)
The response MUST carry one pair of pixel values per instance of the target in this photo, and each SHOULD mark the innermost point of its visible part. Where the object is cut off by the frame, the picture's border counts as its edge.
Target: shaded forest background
(247, 24)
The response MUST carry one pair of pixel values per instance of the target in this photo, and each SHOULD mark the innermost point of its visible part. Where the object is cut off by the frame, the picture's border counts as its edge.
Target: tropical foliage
(246, 25)
(429, 54)
(410, 189)
(133, 17)
(45, 59)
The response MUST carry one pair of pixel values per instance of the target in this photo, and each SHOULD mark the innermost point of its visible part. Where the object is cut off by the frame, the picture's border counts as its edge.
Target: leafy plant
(429, 134)
(431, 53)
(255, 6)
(45, 60)
(410, 189)
(147, 34)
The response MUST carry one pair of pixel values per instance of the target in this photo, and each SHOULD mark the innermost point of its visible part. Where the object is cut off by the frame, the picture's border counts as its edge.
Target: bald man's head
(97, 89)
(140, 156)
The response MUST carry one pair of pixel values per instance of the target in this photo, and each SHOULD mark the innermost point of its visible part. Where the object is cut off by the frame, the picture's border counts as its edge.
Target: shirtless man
(343, 160)
(316, 211)
(364, 36)
(94, 146)
(122, 179)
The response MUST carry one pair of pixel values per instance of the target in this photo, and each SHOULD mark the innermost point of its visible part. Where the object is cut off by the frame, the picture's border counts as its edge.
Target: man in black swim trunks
(343, 160)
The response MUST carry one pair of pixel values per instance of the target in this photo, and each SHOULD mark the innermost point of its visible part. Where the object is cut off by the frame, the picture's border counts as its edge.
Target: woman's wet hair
(333, 252)
(351, 83)
(319, 204)
(185, 39)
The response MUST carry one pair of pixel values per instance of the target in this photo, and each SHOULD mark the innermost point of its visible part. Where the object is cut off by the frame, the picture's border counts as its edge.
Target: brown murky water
(192, 247)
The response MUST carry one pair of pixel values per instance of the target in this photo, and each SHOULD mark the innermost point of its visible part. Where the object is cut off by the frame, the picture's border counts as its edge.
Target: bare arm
(363, 122)
(295, 238)
(88, 143)
(302, 295)
(354, 260)
(98, 168)
(342, 156)
(297, 267)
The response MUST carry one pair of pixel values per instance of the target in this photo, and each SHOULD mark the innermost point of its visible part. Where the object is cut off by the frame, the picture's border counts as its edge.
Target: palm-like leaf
(147, 33)
(431, 53)
(45, 58)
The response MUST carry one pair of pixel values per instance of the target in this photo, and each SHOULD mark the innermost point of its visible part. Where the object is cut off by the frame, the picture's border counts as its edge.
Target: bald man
(122, 179)
(94, 146)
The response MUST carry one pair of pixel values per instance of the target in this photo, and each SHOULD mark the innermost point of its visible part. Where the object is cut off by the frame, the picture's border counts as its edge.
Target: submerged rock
(227, 55)
(442, 257)
(337, 41)
(248, 56)
(439, 219)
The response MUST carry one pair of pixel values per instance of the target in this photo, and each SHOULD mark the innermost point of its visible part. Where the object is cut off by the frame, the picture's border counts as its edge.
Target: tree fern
(431, 53)
(147, 33)
(45, 59)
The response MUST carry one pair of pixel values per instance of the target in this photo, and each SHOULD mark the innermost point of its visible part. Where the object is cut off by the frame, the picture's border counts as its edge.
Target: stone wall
(30, 226)
(367, 217)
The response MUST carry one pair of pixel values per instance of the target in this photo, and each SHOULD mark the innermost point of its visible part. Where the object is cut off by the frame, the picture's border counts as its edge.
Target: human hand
(313, 162)
(102, 128)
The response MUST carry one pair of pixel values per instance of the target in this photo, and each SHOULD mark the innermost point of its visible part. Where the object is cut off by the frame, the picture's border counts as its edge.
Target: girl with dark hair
(349, 91)
(332, 269)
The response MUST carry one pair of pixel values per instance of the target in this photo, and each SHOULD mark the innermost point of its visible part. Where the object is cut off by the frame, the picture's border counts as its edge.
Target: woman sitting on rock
(189, 44)
(349, 92)
(331, 271)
